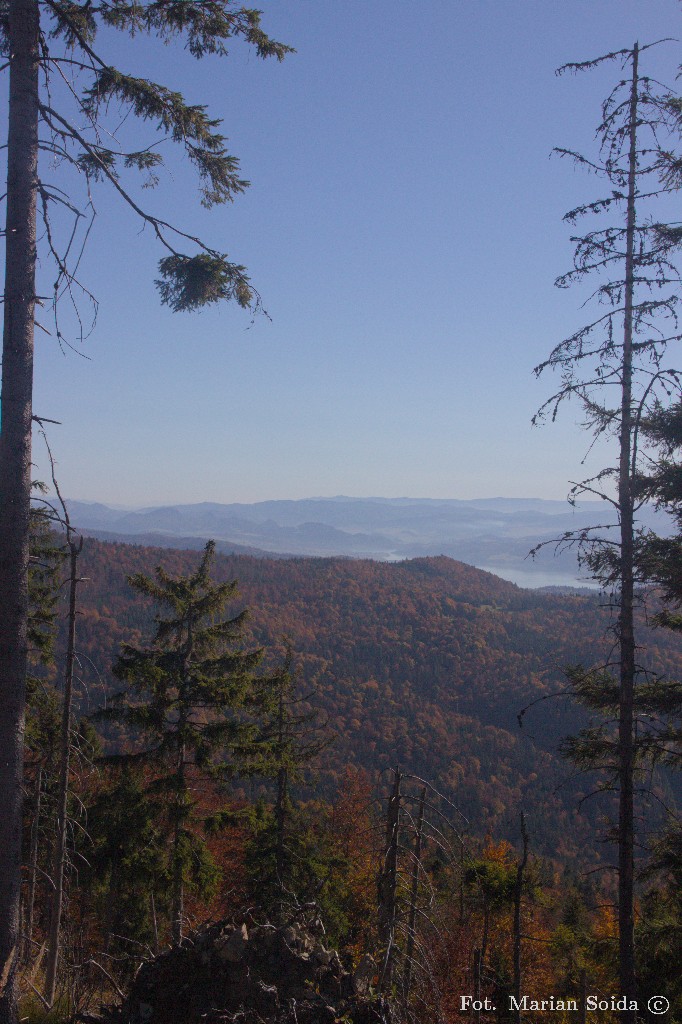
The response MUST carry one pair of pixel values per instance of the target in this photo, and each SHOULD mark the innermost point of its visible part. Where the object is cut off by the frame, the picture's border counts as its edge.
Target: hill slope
(425, 663)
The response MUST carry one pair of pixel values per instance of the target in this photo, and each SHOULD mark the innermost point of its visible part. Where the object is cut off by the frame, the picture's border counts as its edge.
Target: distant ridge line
(493, 534)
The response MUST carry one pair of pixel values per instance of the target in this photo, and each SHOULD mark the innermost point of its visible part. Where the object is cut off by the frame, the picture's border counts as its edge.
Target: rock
(233, 949)
(265, 975)
(335, 964)
(363, 974)
(319, 953)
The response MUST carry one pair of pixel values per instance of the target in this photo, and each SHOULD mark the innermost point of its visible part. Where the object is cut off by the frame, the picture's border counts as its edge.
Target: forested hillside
(426, 663)
(273, 755)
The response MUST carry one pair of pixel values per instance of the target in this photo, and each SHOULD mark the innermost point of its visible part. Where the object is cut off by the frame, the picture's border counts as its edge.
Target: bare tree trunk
(178, 903)
(33, 865)
(113, 895)
(582, 1006)
(414, 892)
(518, 892)
(461, 879)
(178, 909)
(15, 468)
(477, 980)
(626, 753)
(388, 883)
(486, 931)
(59, 856)
(282, 786)
(155, 923)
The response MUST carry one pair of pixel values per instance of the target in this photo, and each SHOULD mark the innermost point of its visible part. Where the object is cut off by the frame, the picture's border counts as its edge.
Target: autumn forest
(247, 789)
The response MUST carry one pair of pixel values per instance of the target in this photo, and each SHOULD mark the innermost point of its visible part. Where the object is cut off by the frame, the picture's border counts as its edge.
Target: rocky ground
(228, 972)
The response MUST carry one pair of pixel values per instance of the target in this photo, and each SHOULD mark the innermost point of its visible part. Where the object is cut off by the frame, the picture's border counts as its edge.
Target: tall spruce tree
(195, 702)
(658, 566)
(659, 928)
(659, 559)
(615, 367)
(285, 863)
(659, 562)
(46, 555)
(43, 42)
(124, 875)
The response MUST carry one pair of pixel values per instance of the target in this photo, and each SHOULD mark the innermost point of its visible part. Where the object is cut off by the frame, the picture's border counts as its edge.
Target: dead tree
(388, 884)
(518, 893)
(410, 928)
(33, 864)
(414, 893)
(75, 545)
(614, 367)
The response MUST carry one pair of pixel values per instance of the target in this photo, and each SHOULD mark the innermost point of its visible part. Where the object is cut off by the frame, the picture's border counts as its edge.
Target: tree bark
(518, 894)
(155, 924)
(282, 787)
(178, 908)
(626, 753)
(388, 884)
(63, 794)
(582, 1006)
(33, 869)
(178, 901)
(15, 467)
(414, 893)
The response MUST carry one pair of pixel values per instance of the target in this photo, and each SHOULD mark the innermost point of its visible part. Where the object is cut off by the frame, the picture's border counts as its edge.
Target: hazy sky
(404, 229)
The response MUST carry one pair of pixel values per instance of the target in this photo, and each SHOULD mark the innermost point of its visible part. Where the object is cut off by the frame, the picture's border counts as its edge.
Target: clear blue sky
(404, 229)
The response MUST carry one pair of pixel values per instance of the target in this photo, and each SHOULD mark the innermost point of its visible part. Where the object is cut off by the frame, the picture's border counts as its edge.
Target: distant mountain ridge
(495, 534)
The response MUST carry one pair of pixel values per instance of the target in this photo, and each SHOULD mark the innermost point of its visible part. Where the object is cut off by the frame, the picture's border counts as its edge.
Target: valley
(428, 662)
(496, 534)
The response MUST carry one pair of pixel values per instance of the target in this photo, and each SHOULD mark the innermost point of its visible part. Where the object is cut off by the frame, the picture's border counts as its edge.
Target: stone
(229, 973)
(363, 974)
(319, 953)
(233, 949)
